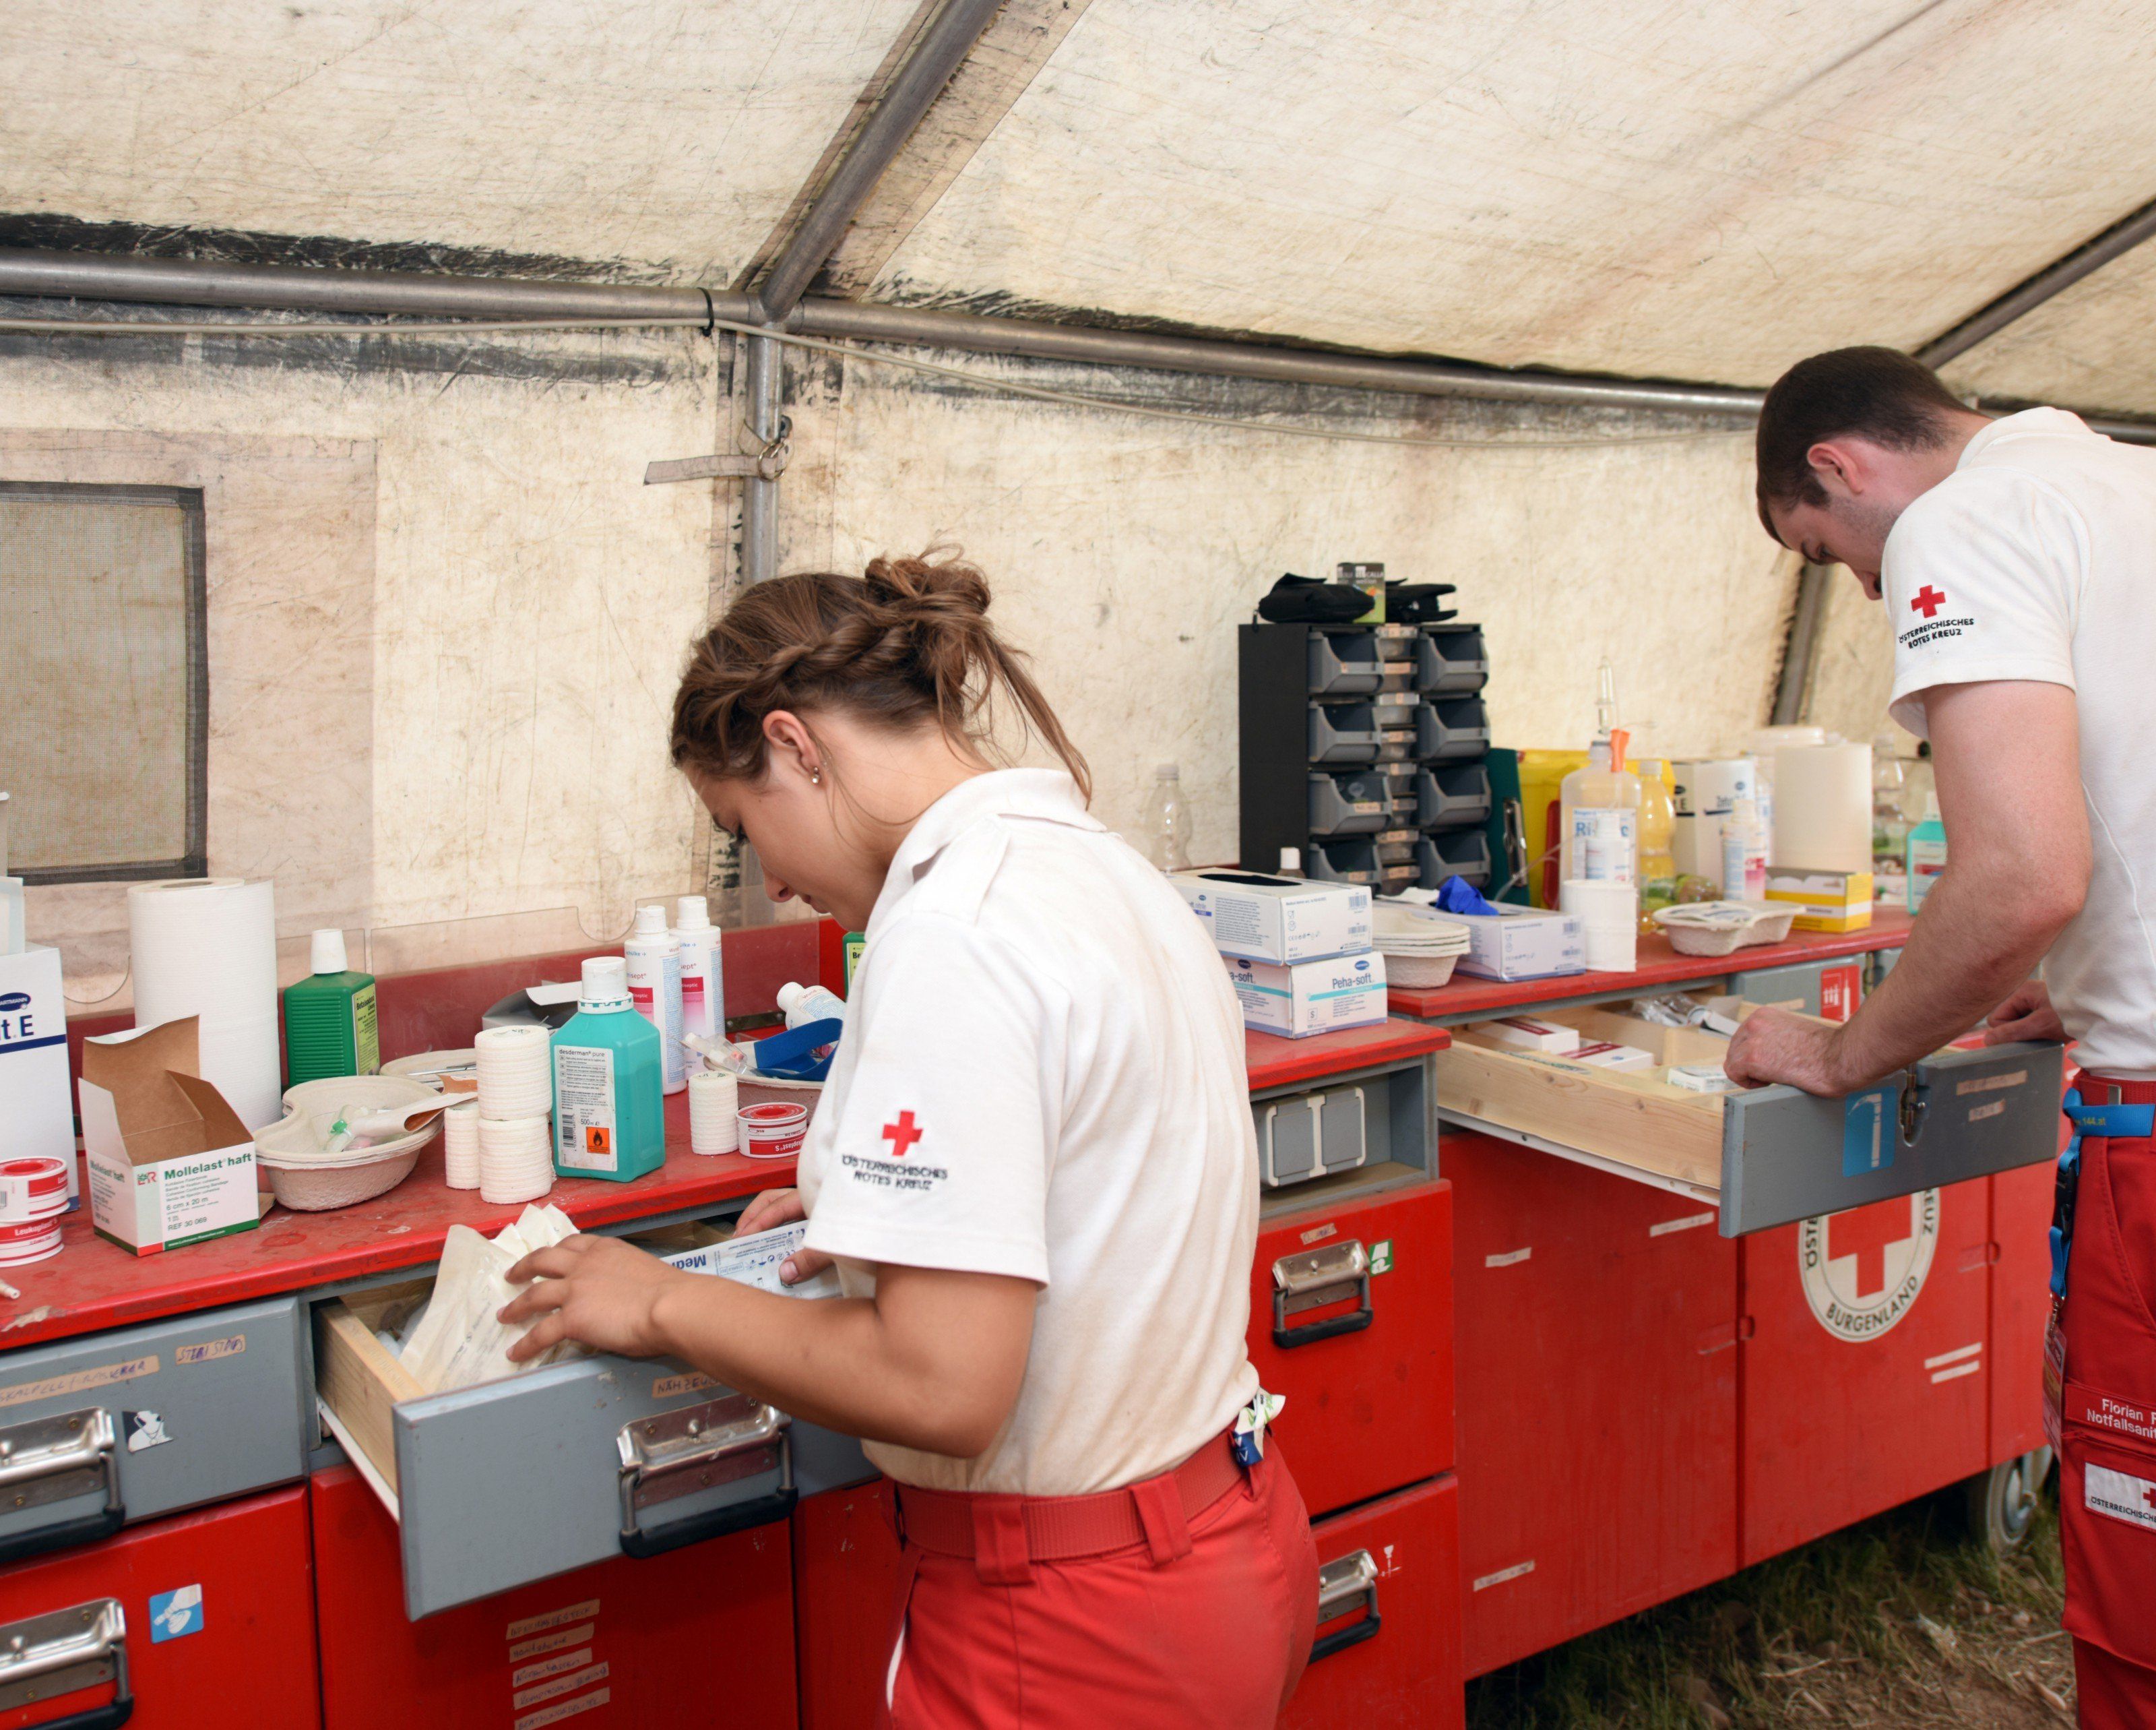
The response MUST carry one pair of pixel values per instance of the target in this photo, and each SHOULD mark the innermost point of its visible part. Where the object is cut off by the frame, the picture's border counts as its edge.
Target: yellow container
(1541, 781)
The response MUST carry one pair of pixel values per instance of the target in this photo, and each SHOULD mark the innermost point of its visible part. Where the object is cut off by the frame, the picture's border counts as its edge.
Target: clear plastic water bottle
(1166, 820)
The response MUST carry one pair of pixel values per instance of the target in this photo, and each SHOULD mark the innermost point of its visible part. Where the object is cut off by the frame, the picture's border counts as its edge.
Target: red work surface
(1835, 1429)
(251, 1659)
(2021, 1300)
(845, 1583)
(1405, 1673)
(1274, 1062)
(702, 1633)
(1369, 1410)
(1659, 966)
(93, 1284)
(1598, 1377)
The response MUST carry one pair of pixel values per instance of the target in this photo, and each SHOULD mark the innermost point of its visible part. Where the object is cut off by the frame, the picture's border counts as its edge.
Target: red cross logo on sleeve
(1867, 1234)
(1927, 600)
(901, 1134)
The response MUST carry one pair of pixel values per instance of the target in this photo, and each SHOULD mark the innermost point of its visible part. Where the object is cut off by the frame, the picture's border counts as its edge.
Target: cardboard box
(1277, 919)
(1526, 1031)
(1305, 997)
(38, 1120)
(1605, 1054)
(170, 1162)
(1825, 900)
(1521, 943)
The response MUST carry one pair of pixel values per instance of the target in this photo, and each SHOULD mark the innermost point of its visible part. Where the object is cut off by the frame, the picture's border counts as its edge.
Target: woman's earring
(816, 777)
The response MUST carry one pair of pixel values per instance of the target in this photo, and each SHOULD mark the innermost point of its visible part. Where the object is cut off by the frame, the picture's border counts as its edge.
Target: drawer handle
(1341, 1586)
(678, 1453)
(1914, 1096)
(1314, 1277)
(74, 1648)
(37, 1461)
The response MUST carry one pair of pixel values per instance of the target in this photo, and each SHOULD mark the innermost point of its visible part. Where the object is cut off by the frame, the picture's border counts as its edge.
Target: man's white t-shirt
(2036, 560)
(1043, 1076)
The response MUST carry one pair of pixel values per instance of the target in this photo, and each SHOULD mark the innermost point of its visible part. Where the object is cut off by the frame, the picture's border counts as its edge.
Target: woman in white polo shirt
(1033, 1163)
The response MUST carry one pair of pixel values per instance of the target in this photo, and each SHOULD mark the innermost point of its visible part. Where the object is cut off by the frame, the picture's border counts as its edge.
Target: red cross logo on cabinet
(901, 1134)
(1927, 600)
(1867, 1234)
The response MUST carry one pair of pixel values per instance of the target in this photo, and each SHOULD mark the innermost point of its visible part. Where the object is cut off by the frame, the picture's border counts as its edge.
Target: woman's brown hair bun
(905, 644)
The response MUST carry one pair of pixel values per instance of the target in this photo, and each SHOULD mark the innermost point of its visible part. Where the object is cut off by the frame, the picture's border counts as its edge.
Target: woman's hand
(2027, 1014)
(771, 1209)
(598, 1291)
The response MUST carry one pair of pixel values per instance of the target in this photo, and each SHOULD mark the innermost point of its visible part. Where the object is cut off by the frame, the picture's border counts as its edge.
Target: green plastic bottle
(609, 1106)
(329, 1018)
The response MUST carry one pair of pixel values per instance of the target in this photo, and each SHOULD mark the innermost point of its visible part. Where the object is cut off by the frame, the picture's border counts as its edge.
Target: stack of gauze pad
(1608, 915)
(460, 1132)
(714, 1105)
(515, 1126)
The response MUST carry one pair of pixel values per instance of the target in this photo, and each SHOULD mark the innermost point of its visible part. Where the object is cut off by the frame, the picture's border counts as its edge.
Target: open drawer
(499, 1485)
(1765, 1155)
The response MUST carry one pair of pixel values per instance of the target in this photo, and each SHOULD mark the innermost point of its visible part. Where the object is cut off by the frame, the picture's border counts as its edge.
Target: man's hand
(1771, 1045)
(600, 1291)
(2027, 1014)
(769, 1211)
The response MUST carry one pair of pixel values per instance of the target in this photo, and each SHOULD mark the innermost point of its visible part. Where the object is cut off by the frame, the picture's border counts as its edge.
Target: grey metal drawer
(101, 1432)
(1769, 1156)
(509, 1482)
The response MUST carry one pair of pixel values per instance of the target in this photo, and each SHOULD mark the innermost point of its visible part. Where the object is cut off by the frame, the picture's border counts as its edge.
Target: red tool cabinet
(2020, 1301)
(1597, 1375)
(1368, 1373)
(1388, 1656)
(1866, 1376)
(845, 1580)
(219, 1615)
(704, 1631)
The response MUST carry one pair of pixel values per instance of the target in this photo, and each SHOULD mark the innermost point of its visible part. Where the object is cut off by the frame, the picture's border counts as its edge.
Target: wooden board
(1634, 1119)
(357, 1379)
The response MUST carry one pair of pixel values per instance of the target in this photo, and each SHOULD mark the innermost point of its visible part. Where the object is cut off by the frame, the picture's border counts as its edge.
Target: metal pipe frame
(2121, 237)
(759, 541)
(912, 90)
(1794, 683)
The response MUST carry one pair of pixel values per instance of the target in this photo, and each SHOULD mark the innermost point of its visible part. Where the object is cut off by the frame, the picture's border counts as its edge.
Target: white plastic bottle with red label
(655, 989)
(703, 976)
(1599, 839)
(1743, 853)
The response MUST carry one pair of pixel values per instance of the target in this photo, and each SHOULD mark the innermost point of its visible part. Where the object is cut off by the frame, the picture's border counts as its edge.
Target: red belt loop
(1001, 1554)
(1160, 1511)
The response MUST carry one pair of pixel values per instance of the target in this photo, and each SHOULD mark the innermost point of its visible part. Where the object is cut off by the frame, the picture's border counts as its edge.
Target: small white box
(1605, 1054)
(1522, 942)
(37, 1121)
(1305, 997)
(1525, 1030)
(170, 1162)
(1277, 919)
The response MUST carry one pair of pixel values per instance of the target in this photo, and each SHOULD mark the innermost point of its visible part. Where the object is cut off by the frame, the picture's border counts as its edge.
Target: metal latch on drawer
(43, 1657)
(58, 1458)
(698, 1448)
(1342, 1585)
(1314, 1277)
(1914, 1098)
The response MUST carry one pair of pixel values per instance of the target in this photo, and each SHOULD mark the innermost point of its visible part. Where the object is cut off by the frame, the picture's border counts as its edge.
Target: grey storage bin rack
(1343, 732)
(1344, 663)
(1452, 729)
(1352, 859)
(1357, 803)
(1452, 796)
(1453, 852)
(1450, 660)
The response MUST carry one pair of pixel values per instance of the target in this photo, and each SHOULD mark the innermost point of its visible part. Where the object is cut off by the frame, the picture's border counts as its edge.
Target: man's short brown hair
(1877, 393)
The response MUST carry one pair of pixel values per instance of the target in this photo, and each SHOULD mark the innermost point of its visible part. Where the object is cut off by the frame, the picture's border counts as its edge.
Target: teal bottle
(1927, 854)
(610, 1112)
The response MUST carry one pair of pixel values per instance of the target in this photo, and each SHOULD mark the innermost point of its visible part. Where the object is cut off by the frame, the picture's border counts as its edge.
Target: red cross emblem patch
(1927, 600)
(901, 1133)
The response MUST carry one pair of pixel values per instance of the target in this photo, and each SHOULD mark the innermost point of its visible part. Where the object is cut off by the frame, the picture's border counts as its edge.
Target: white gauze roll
(515, 1158)
(515, 1080)
(1608, 922)
(207, 947)
(460, 1146)
(1822, 808)
(714, 1100)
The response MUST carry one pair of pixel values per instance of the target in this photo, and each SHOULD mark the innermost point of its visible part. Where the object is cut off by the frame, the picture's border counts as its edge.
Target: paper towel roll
(1822, 808)
(1608, 915)
(207, 947)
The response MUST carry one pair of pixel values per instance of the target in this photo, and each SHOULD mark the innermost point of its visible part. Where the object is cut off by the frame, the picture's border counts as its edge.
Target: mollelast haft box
(1299, 998)
(170, 1162)
(1277, 919)
(37, 1120)
(1825, 900)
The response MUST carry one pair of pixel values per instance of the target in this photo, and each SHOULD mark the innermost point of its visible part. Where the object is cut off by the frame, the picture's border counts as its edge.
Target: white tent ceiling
(1650, 188)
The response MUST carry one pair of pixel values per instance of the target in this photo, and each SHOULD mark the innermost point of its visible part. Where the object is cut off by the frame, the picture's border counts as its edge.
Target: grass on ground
(1906, 1619)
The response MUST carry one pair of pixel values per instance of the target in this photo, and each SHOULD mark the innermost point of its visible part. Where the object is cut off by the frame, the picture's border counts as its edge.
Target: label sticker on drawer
(52, 1386)
(1508, 1258)
(1867, 1132)
(1381, 1256)
(555, 1619)
(1518, 1570)
(209, 1351)
(175, 1614)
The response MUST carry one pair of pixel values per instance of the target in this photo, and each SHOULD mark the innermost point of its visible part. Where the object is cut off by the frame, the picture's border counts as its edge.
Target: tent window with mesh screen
(104, 662)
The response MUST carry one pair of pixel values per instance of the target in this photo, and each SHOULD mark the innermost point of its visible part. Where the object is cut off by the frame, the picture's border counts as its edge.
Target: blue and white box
(38, 1121)
(1298, 998)
(1277, 919)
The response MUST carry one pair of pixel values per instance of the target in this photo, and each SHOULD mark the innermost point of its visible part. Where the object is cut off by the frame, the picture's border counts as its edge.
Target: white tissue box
(1277, 919)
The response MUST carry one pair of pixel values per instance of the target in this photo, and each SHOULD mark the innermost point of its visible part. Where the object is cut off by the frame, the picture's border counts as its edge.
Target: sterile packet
(460, 1342)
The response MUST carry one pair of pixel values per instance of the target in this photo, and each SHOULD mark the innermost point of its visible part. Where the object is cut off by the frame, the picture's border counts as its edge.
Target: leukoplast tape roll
(460, 1146)
(714, 1099)
(515, 1159)
(515, 1076)
(206, 947)
(1609, 921)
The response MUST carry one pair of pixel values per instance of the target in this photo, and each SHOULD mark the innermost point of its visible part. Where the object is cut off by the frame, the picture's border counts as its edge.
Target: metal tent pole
(2121, 236)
